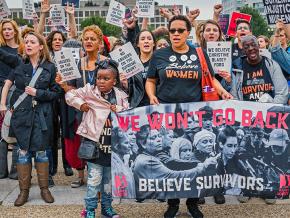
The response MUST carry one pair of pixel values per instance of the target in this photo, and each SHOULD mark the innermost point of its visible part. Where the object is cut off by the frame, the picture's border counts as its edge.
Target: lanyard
(91, 75)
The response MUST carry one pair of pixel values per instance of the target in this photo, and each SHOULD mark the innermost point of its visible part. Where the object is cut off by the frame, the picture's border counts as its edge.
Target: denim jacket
(94, 120)
(279, 81)
(281, 56)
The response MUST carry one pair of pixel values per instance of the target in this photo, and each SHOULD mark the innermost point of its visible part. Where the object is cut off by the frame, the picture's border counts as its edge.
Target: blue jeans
(25, 157)
(99, 180)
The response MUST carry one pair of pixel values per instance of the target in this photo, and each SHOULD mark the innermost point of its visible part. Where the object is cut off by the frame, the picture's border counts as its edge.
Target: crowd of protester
(62, 114)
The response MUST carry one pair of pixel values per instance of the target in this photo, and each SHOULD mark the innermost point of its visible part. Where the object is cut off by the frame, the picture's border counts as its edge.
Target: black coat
(33, 126)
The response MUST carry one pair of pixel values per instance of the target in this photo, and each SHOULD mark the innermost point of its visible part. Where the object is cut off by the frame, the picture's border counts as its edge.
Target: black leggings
(176, 201)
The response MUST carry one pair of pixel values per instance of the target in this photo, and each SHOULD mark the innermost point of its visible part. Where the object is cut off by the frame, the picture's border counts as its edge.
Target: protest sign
(57, 15)
(146, 8)
(129, 62)
(4, 10)
(192, 36)
(75, 53)
(28, 9)
(116, 13)
(220, 55)
(235, 16)
(193, 150)
(277, 10)
(66, 65)
(70, 2)
(223, 21)
(55, 2)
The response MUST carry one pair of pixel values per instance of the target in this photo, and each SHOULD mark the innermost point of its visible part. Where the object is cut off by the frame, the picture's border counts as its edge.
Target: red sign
(236, 16)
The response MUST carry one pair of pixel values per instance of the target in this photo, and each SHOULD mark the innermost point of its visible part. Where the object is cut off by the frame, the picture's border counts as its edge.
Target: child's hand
(113, 108)
(85, 107)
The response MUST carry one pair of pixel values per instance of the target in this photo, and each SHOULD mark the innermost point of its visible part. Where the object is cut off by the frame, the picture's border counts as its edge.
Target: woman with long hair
(31, 121)
(9, 41)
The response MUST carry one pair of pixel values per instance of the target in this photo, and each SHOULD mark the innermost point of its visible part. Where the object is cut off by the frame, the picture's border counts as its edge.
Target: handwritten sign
(4, 10)
(116, 13)
(66, 65)
(57, 15)
(277, 10)
(145, 8)
(235, 16)
(28, 9)
(220, 55)
(129, 62)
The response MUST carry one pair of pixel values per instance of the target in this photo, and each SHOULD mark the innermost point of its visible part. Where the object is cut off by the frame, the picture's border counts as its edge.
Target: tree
(258, 23)
(22, 22)
(108, 29)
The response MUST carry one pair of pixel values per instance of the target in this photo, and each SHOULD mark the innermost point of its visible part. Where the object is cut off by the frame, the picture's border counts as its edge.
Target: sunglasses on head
(180, 31)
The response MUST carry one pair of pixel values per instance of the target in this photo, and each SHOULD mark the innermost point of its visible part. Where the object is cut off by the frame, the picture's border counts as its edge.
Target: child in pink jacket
(97, 101)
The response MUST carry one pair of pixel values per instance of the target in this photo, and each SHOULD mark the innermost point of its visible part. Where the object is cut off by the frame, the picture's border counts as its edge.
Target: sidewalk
(69, 203)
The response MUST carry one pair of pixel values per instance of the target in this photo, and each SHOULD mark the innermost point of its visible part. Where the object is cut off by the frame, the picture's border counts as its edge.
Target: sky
(205, 6)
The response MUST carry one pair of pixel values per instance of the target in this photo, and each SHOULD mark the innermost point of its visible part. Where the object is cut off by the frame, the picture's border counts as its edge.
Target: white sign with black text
(4, 10)
(116, 13)
(220, 55)
(28, 9)
(66, 65)
(129, 62)
(57, 15)
(145, 8)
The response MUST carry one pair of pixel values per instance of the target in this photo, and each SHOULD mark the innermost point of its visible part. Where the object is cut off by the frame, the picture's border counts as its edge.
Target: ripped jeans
(99, 180)
(25, 157)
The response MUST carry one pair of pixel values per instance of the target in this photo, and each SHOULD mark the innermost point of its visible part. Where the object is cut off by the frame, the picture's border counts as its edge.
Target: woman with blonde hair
(31, 121)
(9, 42)
(91, 38)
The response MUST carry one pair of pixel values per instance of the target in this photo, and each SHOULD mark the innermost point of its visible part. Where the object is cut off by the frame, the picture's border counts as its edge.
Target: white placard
(66, 65)
(192, 36)
(220, 55)
(116, 13)
(146, 8)
(75, 53)
(28, 9)
(129, 62)
(4, 10)
(57, 15)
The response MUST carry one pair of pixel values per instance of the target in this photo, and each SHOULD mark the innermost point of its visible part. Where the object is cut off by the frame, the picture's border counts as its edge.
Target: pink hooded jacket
(94, 120)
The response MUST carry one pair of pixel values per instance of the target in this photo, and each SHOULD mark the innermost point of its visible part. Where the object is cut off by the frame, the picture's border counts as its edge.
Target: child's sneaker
(109, 213)
(88, 213)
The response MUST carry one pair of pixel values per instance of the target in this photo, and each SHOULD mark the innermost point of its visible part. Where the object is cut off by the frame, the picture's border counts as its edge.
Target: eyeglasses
(180, 31)
(243, 27)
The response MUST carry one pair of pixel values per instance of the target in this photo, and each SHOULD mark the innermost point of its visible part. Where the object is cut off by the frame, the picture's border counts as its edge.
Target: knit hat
(202, 134)
(176, 145)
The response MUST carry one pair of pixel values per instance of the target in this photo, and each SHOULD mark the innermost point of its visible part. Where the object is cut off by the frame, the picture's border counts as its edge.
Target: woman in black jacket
(31, 121)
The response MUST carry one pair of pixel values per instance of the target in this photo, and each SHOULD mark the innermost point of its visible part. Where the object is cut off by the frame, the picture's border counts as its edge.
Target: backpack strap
(202, 61)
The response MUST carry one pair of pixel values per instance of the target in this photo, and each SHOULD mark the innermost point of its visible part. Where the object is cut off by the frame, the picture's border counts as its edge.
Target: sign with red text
(235, 16)
(277, 10)
(201, 149)
(129, 62)
(28, 9)
(116, 13)
(4, 10)
(146, 8)
(220, 55)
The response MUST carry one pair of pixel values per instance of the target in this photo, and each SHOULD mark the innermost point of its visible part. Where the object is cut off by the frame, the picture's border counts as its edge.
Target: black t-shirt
(4, 68)
(104, 158)
(178, 75)
(236, 51)
(145, 100)
(256, 81)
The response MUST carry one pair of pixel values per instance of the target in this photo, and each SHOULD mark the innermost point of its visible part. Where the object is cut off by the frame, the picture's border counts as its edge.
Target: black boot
(194, 211)
(13, 171)
(3, 160)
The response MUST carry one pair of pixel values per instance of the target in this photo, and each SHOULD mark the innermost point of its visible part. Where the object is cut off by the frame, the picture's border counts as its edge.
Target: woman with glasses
(31, 121)
(174, 76)
(10, 40)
